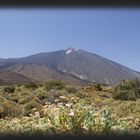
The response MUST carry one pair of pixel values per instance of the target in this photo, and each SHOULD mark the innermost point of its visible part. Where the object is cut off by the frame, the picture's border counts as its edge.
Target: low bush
(127, 90)
(30, 105)
(71, 89)
(42, 95)
(81, 95)
(54, 84)
(31, 85)
(14, 99)
(98, 87)
(25, 99)
(24, 93)
(9, 89)
(10, 109)
(2, 99)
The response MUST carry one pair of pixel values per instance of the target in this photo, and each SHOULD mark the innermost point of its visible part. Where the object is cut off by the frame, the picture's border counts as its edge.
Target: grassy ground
(67, 110)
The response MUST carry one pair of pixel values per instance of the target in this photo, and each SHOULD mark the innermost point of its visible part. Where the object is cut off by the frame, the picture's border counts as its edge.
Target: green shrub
(30, 105)
(127, 90)
(24, 93)
(81, 95)
(41, 95)
(24, 100)
(54, 84)
(98, 87)
(9, 89)
(2, 99)
(71, 89)
(10, 109)
(15, 99)
(31, 85)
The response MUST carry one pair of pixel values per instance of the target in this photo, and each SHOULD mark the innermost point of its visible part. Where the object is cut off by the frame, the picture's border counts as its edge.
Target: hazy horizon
(111, 33)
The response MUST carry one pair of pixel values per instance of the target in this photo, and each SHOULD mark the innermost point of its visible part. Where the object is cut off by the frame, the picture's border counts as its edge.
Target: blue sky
(111, 33)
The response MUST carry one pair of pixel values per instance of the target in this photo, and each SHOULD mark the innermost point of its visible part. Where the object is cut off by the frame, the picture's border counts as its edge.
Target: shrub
(57, 84)
(41, 95)
(30, 105)
(25, 99)
(15, 99)
(24, 93)
(31, 85)
(2, 99)
(28, 98)
(10, 109)
(9, 89)
(81, 95)
(127, 90)
(98, 87)
(71, 89)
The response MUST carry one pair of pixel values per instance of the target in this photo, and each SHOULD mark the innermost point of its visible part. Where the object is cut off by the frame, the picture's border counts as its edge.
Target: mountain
(43, 73)
(70, 64)
(9, 77)
(2, 60)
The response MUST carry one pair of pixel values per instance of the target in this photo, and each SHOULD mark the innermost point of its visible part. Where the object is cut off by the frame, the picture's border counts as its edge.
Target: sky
(111, 33)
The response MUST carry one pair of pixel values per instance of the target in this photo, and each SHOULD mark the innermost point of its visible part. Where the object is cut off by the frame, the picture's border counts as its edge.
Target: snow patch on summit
(70, 50)
(76, 49)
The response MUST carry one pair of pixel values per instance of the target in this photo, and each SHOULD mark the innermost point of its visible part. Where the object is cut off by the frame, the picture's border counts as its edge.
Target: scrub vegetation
(55, 108)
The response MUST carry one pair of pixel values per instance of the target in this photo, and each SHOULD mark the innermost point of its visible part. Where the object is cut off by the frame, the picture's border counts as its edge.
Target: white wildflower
(37, 114)
(47, 103)
(60, 104)
(137, 121)
(33, 109)
(30, 114)
(68, 105)
(45, 111)
(15, 121)
(62, 97)
(97, 121)
(56, 100)
(85, 128)
(72, 98)
(97, 114)
(71, 113)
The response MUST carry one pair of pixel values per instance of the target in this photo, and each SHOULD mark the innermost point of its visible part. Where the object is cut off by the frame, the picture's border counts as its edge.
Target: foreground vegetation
(56, 108)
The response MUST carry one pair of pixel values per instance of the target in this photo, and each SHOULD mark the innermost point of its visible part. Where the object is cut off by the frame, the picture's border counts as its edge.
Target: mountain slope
(9, 77)
(79, 63)
(41, 73)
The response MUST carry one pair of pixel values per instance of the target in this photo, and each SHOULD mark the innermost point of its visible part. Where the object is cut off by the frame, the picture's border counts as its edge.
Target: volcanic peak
(71, 49)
